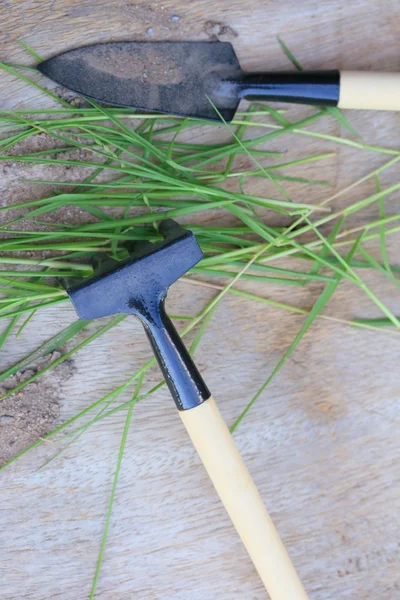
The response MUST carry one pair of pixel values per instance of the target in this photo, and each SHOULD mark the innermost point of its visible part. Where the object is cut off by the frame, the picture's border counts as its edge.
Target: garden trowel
(204, 80)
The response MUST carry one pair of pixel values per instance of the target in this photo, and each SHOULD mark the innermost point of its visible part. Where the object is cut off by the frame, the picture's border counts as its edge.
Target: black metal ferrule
(302, 87)
(181, 375)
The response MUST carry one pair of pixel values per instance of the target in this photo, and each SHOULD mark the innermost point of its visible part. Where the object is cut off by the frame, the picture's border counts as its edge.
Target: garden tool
(204, 80)
(138, 286)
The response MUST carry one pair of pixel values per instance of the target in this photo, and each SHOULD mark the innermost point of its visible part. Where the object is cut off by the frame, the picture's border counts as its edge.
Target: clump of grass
(142, 172)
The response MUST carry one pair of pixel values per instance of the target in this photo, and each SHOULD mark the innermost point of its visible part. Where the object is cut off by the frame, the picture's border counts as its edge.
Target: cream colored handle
(371, 91)
(235, 487)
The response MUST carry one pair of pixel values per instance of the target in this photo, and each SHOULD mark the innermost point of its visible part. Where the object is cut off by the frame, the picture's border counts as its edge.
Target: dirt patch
(70, 97)
(219, 31)
(17, 183)
(148, 63)
(32, 412)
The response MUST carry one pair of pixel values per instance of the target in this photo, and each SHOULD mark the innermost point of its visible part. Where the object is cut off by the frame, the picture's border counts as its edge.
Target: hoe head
(139, 284)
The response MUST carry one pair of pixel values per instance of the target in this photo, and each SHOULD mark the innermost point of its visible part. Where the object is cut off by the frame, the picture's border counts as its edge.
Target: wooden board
(322, 441)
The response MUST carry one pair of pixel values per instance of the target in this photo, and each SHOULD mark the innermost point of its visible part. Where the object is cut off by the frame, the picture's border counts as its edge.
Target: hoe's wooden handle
(236, 489)
(371, 91)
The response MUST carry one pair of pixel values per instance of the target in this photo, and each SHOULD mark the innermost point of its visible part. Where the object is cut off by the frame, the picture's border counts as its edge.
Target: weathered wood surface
(322, 441)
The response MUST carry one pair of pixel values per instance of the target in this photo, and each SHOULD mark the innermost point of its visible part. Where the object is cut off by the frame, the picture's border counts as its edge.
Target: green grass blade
(332, 110)
(31, 51)
(380, 322)
(62, 358)
(315, 311)
(52, 344)
(15, 73)
(8, 330)
(114, 488)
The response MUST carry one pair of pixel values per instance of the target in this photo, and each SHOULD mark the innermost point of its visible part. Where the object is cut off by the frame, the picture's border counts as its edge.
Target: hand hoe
(138, 286)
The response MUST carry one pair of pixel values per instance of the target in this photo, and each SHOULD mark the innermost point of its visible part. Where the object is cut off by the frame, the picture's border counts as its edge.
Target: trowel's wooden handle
(235, 487)
(371, 91)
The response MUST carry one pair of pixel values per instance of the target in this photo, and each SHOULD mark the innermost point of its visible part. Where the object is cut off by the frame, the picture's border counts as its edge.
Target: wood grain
(322, 441)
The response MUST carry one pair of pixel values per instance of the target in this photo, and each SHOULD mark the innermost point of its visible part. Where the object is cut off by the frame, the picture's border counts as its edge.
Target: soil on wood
(219, 31)
(18, 182)
(32, 412)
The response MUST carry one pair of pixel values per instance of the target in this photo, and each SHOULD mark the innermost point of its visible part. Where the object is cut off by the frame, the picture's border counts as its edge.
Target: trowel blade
(182, 78)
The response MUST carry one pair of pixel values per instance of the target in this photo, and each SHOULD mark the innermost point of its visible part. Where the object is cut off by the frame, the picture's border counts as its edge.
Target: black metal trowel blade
(167, 77)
